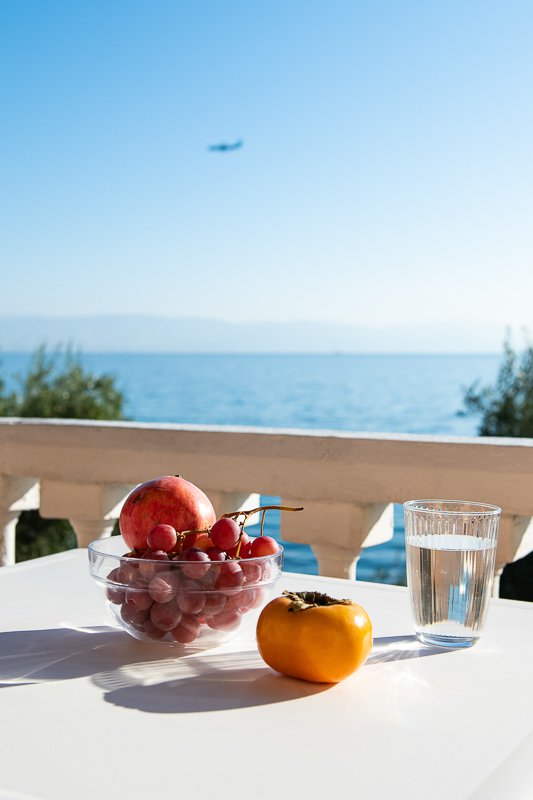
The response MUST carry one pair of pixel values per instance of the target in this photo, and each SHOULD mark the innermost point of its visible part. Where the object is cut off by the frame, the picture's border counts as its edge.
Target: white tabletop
(88, 712)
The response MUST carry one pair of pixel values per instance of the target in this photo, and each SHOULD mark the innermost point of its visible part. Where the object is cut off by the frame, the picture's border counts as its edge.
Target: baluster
(92, 508)
(16, 495)
(337, 532)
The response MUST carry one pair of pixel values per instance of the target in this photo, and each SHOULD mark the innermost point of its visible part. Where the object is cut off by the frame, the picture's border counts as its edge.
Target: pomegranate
(169, 500)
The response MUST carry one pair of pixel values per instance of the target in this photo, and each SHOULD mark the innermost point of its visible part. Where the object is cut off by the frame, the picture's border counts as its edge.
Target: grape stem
(249, 512)
(183, 534)
(245, 514)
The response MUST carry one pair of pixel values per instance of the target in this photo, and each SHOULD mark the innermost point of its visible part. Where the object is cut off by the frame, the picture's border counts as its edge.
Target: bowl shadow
(151, 678)
(55, 654)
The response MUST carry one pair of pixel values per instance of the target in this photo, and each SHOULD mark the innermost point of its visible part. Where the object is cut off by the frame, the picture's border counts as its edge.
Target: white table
(88, 712)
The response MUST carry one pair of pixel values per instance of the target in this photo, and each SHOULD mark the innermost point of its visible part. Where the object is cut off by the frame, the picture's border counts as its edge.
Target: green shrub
(56, 385)
(506, 409)
(37, 537)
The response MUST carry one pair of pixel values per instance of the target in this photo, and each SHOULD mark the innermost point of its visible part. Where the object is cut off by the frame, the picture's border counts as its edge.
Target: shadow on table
(227, 680)
(55, 654)
(399, 648)
(218, 682)
(154, 679)
(148, 678)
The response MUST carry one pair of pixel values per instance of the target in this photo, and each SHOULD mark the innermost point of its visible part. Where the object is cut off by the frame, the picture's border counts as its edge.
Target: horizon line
(370, 354)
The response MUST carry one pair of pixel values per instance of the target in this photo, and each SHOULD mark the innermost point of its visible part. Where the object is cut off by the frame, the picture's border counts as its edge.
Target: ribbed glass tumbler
(450, 552)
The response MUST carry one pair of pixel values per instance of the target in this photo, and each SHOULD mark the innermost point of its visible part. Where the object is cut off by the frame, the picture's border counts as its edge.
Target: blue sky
(386, 174)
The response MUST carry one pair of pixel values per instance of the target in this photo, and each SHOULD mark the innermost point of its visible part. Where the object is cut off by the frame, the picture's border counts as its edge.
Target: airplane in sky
(226, 148)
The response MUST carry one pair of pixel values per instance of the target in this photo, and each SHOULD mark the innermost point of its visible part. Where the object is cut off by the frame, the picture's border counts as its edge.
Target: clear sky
(386, 174)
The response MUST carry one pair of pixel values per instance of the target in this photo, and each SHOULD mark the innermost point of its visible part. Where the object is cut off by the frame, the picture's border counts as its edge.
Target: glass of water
(450, 552)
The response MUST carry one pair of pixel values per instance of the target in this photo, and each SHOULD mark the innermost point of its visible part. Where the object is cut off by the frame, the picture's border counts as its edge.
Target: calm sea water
(374, 393)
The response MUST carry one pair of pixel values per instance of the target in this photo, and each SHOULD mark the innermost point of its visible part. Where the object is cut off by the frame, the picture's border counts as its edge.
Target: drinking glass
(450, 553)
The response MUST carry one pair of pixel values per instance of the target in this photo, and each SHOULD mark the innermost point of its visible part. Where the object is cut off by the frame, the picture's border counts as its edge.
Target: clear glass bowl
(184, 604)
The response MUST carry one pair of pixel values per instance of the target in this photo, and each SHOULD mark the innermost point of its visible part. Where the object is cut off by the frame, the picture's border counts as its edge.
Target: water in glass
(450, 552)
(450, 578)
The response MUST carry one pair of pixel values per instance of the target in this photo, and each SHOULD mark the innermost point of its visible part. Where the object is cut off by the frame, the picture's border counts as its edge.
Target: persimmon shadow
(220, 682)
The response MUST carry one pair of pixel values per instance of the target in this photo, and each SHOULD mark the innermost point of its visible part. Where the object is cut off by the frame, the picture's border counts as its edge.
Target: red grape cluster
(180, 586)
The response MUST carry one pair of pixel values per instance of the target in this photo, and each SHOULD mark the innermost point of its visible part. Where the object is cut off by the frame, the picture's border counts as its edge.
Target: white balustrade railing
(346, 481)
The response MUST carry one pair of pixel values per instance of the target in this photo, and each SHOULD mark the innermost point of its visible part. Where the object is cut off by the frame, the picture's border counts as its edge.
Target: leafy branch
(506, 408)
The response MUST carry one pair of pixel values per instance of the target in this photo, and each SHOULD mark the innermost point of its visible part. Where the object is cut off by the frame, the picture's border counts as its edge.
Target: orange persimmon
(312, 636)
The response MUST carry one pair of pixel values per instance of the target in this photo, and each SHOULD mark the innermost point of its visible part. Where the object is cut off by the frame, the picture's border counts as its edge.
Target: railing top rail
(328, 466)
(51, 425)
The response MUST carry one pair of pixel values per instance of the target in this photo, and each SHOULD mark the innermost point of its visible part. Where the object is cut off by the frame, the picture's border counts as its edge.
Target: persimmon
(315, 637)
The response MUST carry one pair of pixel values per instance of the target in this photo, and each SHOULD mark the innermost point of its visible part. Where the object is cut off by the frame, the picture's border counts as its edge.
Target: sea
(362, 393)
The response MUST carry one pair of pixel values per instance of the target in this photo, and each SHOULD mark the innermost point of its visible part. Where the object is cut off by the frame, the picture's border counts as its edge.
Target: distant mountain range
(152, 334)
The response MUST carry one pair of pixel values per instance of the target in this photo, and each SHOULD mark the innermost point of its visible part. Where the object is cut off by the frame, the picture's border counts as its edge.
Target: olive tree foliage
(506, 408)
(5, 403)
(56, 384)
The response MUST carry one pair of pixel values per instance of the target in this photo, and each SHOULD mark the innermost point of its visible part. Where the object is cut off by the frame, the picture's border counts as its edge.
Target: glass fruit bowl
(184, 604)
